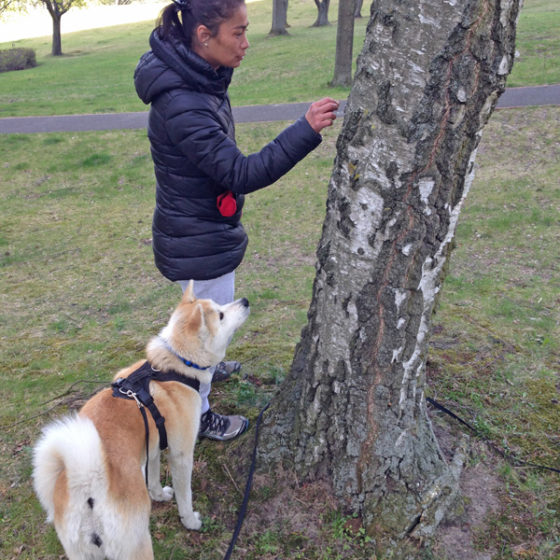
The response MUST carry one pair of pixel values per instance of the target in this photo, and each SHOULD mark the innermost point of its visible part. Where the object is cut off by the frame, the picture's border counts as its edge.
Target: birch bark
(352, 409)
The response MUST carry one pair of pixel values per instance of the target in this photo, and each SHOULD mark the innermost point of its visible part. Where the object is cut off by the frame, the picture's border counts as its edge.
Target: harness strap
(137, 386)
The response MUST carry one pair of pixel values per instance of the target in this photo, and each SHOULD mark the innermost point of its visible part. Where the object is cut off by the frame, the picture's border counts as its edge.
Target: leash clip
(131, 395)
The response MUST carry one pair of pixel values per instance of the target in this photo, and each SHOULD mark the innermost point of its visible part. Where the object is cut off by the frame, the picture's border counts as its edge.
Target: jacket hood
(170, 64)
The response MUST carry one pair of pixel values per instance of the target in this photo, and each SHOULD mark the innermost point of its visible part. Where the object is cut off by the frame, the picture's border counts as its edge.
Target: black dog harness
(137, 386)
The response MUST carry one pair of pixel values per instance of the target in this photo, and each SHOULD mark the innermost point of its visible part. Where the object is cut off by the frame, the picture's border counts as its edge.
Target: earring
(205, 44)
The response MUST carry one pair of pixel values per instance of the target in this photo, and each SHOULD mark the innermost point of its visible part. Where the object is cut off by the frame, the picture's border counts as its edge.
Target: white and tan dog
(89, 468)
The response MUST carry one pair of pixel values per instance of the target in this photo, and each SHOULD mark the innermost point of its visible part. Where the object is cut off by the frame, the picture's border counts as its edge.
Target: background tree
(8, 5)
(4, 5)
(358, 8)
(279, 17)
(352, 410)
(344, 44)
(56, 9)
(322, 13)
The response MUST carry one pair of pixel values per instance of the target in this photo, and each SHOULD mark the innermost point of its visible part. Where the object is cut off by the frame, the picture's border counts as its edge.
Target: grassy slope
(95, 75)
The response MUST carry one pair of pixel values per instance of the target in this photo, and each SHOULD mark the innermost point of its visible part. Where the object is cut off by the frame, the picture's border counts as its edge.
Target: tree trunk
(56, 36)
(352, 409)
(279, 17)
(344, 44)
(322, 13)
(358, 8)
(56, 9)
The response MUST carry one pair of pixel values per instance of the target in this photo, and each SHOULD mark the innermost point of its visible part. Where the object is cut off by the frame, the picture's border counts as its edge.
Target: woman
(201, 175)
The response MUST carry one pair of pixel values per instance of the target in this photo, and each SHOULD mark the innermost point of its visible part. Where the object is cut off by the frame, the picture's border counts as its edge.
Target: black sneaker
(224, 370)
(221, 428)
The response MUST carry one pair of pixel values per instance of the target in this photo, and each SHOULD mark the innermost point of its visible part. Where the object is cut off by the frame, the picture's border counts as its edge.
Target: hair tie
(183, 4)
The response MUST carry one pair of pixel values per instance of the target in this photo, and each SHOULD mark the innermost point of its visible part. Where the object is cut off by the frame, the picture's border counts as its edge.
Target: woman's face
(228, 46)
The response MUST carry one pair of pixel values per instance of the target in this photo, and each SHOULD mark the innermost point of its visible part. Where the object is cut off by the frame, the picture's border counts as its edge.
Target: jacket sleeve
(201, 138)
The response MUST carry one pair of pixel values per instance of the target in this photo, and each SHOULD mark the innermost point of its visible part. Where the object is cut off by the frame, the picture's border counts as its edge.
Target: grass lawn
(95, 74)
(80, 298)
(538, 45)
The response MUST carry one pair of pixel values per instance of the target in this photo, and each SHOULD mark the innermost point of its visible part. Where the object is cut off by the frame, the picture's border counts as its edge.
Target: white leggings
(220, 290)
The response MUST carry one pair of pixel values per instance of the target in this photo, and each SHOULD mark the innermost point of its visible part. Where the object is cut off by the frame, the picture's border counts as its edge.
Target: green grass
(538, 45)
(80, 297)
(496, 348)
(95, 74)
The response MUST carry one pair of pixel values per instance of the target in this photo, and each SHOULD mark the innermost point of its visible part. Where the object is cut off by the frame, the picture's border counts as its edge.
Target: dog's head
(200, 330)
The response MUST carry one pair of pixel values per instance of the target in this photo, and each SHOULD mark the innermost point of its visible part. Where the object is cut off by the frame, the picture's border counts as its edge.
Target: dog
(89, 469)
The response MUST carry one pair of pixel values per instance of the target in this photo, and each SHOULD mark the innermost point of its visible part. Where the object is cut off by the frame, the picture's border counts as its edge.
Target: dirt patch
(479, 488)
(293, 509)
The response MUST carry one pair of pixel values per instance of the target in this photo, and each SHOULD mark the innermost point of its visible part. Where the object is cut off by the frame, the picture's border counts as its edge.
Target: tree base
(347, 82)
(403, 516)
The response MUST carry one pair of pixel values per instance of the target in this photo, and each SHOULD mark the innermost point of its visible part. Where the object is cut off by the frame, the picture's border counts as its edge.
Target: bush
(17, 59)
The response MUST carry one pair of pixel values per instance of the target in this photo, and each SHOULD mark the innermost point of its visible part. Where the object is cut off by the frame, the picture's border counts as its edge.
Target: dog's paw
(162, 494)
(192, 521)
(167, 493)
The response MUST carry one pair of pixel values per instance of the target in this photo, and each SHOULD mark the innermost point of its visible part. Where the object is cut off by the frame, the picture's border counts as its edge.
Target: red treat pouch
(227, 205)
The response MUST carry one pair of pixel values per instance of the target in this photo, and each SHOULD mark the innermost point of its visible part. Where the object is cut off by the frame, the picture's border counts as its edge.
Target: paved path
(512, 97)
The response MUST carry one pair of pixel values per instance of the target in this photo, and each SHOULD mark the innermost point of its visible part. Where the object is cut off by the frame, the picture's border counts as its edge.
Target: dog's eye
(221, 315)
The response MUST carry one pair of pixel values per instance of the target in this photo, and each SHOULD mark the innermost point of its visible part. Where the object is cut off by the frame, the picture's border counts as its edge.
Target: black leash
(504, 454)
(147, 438)
(243, 509)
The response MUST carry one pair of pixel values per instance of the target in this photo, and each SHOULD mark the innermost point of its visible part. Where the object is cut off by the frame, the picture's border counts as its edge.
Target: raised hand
(322, 113)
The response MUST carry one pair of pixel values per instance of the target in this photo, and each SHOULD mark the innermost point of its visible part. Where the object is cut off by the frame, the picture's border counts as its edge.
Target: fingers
(326, 102)
(322, 113)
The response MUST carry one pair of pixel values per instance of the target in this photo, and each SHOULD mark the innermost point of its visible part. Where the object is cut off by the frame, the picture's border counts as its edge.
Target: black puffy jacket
(195, 156)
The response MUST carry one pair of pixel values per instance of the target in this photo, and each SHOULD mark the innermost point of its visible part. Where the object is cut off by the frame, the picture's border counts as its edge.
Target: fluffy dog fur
(89, 468)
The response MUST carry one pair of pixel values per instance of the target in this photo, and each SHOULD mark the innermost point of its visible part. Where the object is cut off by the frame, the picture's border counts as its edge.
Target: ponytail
(180, 19)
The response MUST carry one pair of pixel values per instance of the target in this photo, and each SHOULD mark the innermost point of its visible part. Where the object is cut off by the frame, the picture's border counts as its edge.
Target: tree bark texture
(279, 17)
(322, 13)
(352, 409)
(344, 44)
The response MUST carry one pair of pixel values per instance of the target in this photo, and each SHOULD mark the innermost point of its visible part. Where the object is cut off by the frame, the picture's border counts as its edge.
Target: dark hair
(211, 13)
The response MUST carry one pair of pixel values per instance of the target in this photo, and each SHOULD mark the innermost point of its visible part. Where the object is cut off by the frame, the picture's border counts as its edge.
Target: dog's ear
(188, 295)
(196, 321)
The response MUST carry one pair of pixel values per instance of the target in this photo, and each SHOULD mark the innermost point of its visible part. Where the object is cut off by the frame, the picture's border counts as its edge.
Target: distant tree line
(347, 11)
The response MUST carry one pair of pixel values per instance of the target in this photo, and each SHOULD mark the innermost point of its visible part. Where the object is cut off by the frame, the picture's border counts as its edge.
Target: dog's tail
(70, 447)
